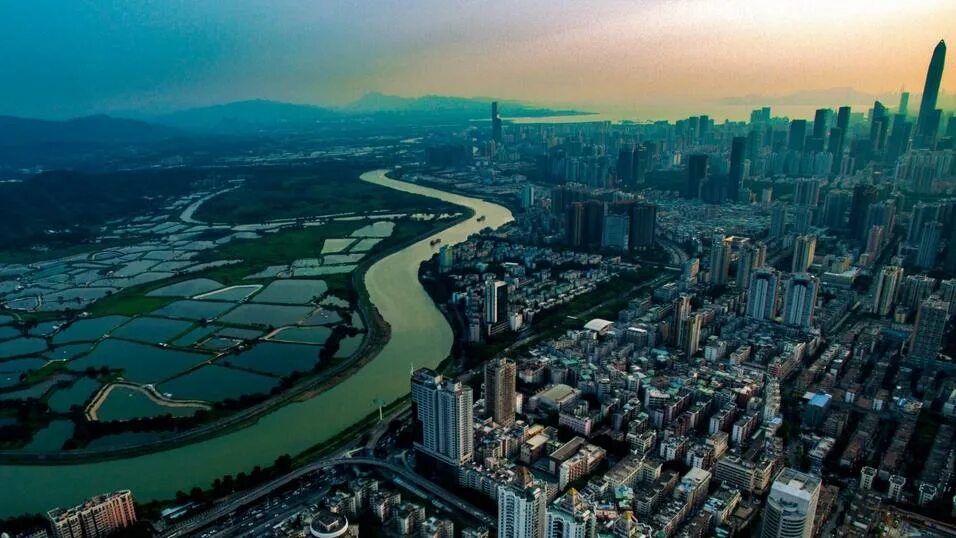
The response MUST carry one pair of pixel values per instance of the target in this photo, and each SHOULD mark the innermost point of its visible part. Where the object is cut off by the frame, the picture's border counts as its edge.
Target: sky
(66, 58)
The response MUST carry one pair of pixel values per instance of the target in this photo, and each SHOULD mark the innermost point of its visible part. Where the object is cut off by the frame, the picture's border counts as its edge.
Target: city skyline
(135, 58)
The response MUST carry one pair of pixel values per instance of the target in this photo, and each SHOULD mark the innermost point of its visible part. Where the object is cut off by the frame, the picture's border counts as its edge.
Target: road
(439, 494)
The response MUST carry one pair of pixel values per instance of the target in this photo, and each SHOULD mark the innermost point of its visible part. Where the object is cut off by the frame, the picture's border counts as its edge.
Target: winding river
(420, 335)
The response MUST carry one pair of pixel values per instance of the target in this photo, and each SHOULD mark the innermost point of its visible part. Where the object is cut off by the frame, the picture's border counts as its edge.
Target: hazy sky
(71, 57)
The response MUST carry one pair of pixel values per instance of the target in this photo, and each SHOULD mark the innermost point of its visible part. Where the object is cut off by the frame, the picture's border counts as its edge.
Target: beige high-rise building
(100, 516)
(887, 287)
(500, 377)
(804, 249)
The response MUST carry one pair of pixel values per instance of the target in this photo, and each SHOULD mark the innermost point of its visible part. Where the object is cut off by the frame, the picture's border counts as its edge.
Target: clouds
(70, 57)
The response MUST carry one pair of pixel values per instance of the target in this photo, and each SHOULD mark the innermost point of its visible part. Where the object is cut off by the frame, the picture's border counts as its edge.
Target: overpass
(186, 528)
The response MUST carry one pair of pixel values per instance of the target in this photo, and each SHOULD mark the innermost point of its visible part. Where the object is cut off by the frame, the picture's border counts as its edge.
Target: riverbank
(377, 335)
(420, 337)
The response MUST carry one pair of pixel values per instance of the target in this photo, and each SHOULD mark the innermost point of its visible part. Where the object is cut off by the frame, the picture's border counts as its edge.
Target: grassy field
(292, 192)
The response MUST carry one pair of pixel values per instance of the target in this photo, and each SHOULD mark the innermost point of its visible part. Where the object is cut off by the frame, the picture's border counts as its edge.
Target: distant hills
(467, 107)
(249, 117)
(270, 115)
(242, 115)
(96, 130)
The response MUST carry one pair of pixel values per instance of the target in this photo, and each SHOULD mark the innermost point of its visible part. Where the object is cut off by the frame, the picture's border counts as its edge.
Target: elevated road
(440, 494)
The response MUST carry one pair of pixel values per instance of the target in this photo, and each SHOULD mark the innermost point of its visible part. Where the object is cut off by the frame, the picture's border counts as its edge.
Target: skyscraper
(643, 225)
(443, 412)
(922, 213)
(681, 313)
(928, 121)
(904, 103)
(738, 150)
(835, 206)
(575, 223)
(616, 233)
(799, 300)
(500, 391)
(792, 505)
(929, 330)
(798, 135)
(879, 123)
(625, 165)
(495, 123)
(521, 510)
(778, 220)
(641, 162)
(929, 245)
(807, 192)
(863, 196)
(691, 343)
(821, 121)
(751, 257)
(696, 172)
(804, 249)
(719, 260)
(762, 294)
(570, 516)
(887, 286)
(496, 302)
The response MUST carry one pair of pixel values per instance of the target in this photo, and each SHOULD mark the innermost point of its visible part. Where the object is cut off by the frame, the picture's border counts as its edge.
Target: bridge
(440, 494)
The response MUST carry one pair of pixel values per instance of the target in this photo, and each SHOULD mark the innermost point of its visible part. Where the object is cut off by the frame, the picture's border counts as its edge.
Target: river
(420, 336)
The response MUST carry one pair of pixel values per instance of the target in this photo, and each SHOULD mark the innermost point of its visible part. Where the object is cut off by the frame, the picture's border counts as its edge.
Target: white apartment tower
(792, 505)
(443, 408)
(521, 511)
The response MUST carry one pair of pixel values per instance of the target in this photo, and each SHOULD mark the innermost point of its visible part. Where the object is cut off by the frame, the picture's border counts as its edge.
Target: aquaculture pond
(216, 383)
(266, 314)
(186, 288)
(303, 335)
(231, 294)
(21, 346)
(78, 393)
(291, 291)
(194, 310)
(88, 330)
(153, 330)
(140, 363)
(126, 403)
(276, 358)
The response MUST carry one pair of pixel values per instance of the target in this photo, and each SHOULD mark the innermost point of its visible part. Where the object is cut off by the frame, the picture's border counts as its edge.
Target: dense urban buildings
(672, 329)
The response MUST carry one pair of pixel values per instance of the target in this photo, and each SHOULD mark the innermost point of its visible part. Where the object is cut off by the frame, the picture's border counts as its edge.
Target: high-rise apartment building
(799, 300)
(500, 375)
(792, 505)
(98, 517)
(887, 287)
(735, 176)
(443, 412)
(719, 260)
(804, 249)
(929, 329)
(496, 302)
(570, 516)
(643, 225)
(762, 294)
(522, 510)
(696, 172)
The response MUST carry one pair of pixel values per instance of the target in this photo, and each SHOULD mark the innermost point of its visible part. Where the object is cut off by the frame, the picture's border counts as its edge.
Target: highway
(223, 509)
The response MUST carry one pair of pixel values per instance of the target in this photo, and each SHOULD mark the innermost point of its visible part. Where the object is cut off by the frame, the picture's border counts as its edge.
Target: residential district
(785, 370)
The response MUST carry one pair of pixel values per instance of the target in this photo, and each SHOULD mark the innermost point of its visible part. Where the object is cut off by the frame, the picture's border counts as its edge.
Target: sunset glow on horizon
(614, 55)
